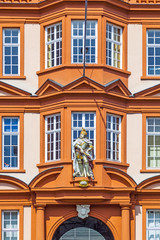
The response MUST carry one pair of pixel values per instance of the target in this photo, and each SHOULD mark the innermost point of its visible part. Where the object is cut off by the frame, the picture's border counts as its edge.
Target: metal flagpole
(84, 50)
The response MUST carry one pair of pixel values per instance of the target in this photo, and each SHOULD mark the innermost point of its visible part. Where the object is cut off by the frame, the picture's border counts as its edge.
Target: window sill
(95, 65)
(13, 77)
(120, 165)
(150, 78)
(12, 171)
(46, 165)
(150, 171)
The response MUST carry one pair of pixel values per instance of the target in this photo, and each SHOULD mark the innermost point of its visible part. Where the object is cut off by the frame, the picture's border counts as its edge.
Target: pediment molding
(8, 183)
(49, 87)
(117, 87)
(84, 85)
(119, 179)
(9, 90)
(152, 183)
(45, 179)
(149, 92)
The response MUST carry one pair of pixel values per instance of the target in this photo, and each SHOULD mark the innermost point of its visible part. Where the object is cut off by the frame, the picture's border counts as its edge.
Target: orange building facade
(45, 101)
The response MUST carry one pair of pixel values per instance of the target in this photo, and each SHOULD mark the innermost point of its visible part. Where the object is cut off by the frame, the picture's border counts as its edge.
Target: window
(11, 51)
(10, 225)
(153, 224)
(153, 52)
(78, 41)
(82, 233)
(113, 45)
(153, 142)
(87, 120)
(10, 142)
(113, 139)
(54, 45)
(53, 137)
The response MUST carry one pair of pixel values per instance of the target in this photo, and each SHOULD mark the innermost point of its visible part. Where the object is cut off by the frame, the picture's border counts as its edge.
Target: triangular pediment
(149, 92)
(84, 84)
(49, 87)
(9, 90)
(117, 87)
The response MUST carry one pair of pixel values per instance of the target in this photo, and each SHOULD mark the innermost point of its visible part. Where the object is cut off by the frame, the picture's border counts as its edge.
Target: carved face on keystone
(83, 211)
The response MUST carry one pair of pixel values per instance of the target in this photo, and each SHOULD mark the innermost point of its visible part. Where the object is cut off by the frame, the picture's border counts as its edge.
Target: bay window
(113, 45)
(54, 45)
(87, 120)
(78, 41)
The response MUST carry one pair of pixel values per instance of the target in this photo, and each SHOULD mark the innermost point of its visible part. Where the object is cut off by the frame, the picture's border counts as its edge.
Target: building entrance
(83, 229)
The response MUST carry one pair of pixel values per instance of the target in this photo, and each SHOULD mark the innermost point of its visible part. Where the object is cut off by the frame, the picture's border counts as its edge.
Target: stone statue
(82, 148)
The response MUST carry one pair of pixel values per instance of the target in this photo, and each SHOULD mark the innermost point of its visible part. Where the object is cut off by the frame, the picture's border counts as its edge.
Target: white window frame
(55, 41)
(152, 45)
(112, 42)
(152, 228)
(10, 134)
(54, 131)
(11, 45)
(10, 229)
(112, 131)
(154, 134)
(86, 128)
(82, 38)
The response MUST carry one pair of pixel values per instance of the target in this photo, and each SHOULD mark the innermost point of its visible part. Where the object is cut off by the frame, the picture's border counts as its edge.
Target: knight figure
(82, 148)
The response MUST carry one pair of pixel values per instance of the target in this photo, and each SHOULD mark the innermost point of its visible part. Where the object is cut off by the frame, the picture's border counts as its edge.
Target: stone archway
(86, 226)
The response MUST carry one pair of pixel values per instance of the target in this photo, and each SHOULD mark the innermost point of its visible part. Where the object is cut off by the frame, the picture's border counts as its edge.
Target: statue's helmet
(83, 132)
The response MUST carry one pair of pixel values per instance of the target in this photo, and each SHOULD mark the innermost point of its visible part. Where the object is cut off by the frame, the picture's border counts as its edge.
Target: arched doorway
(83, 229)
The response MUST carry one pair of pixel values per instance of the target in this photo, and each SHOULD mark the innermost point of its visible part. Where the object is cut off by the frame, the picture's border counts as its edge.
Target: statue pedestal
(83, 182)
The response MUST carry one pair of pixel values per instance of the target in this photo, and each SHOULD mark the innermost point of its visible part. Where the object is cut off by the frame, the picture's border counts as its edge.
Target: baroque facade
(46, 100)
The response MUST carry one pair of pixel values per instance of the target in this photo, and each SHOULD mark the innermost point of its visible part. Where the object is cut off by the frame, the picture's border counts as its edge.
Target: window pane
(87, 121)
(153, 52)
(54, 45)
(10, 146)
(53, 137)
(113, 45)
(78, 41)
(113, 133)
(11, 52)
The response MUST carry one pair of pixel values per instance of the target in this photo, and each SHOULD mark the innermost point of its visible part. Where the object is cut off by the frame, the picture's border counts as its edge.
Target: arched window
(83, 233)
(89, 228)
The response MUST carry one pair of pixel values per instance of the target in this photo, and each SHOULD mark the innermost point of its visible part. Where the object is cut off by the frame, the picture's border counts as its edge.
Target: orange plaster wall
(101, 74)
(56, 215)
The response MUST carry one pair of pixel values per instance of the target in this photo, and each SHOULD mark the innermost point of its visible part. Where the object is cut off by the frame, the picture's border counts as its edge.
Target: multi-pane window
(113, 138)
(84, 233)
(11, 51)
(78, 29)
(53, 137)
(87, 120)
(153, 142)
(153, 225)
(10, 225)
(54, 45)
(153, 52)
(10, 142)
(113, 45)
